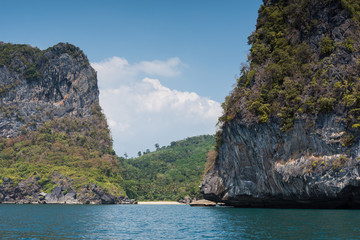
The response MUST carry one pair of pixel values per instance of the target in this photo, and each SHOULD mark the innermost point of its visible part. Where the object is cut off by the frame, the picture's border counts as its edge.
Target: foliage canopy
(297, 70)
(170, 173)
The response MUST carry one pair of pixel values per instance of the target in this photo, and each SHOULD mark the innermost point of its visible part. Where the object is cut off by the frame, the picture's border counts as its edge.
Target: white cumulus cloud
(169, 68)
(141, 111)
(116, 71)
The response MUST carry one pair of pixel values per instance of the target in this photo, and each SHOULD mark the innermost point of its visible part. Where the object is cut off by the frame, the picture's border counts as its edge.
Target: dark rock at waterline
(55, 196)
(28, 191)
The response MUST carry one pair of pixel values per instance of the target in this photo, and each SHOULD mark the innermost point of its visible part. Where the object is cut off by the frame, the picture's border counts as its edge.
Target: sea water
(173, 222)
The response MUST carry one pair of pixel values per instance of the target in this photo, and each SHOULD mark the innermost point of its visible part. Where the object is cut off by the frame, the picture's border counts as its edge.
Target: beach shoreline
(160, 203)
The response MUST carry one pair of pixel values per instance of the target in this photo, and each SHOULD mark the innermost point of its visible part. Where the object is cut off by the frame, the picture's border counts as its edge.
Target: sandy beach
(161, 203)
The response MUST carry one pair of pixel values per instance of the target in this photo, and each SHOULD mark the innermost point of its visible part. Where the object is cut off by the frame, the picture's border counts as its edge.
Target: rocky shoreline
(29, 191)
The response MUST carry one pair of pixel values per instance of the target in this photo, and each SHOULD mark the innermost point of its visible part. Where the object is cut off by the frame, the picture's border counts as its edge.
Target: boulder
(187, 200)
(70, 197)
(56, 196)
(107, 199)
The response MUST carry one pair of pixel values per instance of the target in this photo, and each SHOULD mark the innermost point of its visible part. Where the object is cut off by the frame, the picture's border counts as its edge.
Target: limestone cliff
(55, 144)
(38, 86)
(290, 131)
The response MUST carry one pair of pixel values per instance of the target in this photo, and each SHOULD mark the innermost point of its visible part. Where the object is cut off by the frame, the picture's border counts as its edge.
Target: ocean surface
(173, 222)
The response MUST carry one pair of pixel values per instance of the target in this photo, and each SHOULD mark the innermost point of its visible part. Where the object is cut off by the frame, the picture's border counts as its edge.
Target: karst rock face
(38, 86)
(55, 144)
(289, 135)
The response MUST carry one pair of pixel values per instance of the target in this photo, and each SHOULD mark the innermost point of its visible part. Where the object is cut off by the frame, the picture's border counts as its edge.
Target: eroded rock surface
(290, 135)
(29, 192)
(260, 166)
(60, 84)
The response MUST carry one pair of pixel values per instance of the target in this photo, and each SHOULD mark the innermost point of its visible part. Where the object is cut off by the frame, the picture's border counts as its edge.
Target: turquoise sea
(173, 222)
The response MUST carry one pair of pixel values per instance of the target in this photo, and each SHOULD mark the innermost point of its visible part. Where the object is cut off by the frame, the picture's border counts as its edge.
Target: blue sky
(167, 48)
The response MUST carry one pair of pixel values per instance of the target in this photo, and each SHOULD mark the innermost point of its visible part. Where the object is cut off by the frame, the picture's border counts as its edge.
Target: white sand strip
(161, 203)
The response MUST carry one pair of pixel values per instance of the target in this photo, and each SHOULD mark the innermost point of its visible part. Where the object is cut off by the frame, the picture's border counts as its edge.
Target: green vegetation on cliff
(170, 173)
(70, 146)
(302, 63)
(353, 7)
(22, 58)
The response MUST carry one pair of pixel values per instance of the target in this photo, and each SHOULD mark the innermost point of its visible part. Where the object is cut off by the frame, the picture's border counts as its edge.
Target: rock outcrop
(54, 137)
(186, 200)
(289, 135)
(39, 86)
(29, 191)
